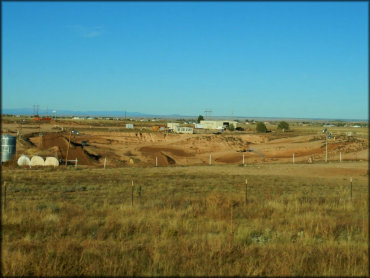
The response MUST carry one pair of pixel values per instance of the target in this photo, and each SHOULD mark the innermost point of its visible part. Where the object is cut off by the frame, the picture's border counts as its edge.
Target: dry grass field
(185, 217)
(187, 220)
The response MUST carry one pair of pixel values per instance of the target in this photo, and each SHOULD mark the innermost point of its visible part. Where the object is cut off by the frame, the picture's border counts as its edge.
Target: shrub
(231, 127)
(283, 126)
(200, 118)
(261, 127)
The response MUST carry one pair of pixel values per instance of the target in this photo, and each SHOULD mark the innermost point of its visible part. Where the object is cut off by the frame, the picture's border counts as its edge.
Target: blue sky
(282, 59)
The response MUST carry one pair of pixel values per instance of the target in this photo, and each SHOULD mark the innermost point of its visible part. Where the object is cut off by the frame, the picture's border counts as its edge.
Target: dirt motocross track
(136, 148)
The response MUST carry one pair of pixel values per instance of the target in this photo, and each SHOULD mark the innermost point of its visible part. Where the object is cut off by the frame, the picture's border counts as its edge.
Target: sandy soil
(142, 147)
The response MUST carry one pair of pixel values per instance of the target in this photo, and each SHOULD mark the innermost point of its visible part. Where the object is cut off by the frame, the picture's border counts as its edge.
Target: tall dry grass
(185, 221)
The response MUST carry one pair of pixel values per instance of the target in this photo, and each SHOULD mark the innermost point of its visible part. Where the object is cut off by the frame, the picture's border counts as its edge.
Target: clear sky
(282, 59)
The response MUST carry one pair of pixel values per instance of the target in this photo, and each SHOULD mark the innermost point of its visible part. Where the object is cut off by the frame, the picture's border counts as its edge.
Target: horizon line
(149, 115)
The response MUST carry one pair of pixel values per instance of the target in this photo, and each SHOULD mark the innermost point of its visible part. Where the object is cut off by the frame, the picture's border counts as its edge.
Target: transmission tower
(208, 112)
(36, 109)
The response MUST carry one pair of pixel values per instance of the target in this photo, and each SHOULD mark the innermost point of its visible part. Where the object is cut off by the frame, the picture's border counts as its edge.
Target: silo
(8, 144)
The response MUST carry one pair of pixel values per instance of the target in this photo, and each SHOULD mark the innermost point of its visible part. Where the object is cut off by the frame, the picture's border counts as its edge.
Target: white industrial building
(175, 127)
(216, 124)
(183, 129)
(172, 126)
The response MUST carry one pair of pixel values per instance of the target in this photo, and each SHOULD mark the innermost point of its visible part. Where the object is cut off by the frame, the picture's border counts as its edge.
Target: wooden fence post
(246, 191)
(132, 193)
(231, 218)
(4, 196)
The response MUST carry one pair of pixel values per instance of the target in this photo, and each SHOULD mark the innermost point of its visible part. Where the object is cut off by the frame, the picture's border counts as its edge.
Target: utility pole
(207, 112)
(69, 141)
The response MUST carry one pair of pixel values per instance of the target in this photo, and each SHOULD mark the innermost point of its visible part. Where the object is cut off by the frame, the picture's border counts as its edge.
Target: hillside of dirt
(144, 148)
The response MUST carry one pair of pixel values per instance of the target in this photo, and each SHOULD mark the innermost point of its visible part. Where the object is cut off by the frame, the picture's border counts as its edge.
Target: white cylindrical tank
(24, 160)
(8, 146)
(51, 161)
(37, 161)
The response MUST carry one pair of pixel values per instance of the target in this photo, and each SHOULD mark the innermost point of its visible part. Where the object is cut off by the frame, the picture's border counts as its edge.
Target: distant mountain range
(29, 111)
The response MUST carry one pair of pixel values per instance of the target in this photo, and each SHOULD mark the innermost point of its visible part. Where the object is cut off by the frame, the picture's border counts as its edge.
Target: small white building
(217, 124)
(129, 125)
(172, 126)
(183, 129)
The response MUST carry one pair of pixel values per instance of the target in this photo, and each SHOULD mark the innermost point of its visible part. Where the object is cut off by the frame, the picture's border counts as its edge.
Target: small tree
(231, 127)
(200, 118)
(283, 126)
(261, 127)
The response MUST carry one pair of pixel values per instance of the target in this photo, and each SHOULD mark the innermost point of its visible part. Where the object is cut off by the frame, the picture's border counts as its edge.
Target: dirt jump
(146, 149)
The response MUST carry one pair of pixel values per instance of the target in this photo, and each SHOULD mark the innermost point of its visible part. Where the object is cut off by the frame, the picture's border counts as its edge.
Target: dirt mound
(56, 144)
(173, 151)
(164, 155)
(145, 148)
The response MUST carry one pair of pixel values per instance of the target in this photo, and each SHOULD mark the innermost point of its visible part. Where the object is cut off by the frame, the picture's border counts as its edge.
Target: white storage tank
(8, 145)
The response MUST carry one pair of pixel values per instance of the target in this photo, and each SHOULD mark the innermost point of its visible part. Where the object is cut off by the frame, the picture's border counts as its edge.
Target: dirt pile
(56, 144)
(143, 148)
